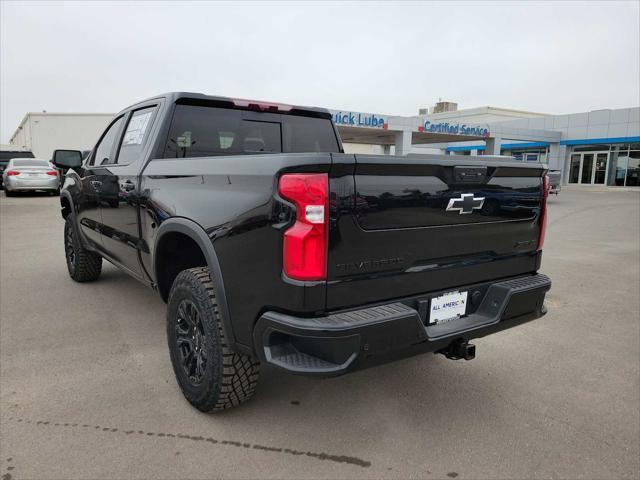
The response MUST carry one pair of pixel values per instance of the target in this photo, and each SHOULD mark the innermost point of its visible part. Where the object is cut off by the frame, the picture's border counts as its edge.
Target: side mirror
(65, 159)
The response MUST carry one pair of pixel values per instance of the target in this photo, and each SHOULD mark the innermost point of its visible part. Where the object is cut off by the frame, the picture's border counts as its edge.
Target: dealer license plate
(448, 307)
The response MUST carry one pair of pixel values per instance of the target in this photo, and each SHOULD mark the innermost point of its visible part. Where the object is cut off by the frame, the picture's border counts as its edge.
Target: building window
(619, 158)
(528, 155)
(633, 169)
(624, 168)
(592, 148)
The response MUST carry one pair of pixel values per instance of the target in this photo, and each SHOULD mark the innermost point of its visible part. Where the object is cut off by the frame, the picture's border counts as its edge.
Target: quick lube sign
(357, 119)
(454, 129)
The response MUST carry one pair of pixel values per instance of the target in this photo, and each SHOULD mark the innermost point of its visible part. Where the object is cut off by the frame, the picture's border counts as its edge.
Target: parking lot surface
(87, 389)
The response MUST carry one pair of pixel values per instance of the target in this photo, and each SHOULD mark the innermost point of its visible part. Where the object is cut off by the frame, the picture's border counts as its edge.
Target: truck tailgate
(402, 226)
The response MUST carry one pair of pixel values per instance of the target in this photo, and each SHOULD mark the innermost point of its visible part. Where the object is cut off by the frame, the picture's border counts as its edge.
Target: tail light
(11, 173)
(52, 173)
(543, 212)
(305, 243)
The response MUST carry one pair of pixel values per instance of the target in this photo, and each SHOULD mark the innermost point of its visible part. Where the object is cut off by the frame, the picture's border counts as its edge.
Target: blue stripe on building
(595, 141)
(504, 146)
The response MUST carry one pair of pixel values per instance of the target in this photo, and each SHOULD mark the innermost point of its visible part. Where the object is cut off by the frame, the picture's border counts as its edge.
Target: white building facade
(44, 132)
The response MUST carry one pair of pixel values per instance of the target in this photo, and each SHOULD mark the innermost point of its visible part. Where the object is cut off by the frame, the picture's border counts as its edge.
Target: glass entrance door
(589, 168)
(574, 168)
(600, 170)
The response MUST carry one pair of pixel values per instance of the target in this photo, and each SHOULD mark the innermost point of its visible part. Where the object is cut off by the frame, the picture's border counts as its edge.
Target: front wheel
(212, 377)
(83, 265)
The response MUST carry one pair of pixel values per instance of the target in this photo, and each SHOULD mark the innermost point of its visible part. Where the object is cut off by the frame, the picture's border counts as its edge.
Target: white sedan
(30, 174)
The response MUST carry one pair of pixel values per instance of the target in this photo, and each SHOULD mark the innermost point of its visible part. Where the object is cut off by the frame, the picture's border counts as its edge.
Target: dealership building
(600, 147)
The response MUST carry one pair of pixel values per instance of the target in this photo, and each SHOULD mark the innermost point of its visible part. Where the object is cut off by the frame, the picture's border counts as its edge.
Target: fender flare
(67, 196)
(76, 228)
(194, 231)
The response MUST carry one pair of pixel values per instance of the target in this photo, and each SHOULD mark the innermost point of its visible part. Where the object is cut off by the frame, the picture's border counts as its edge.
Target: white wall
(481, 115)
(363, 148)
(42, 133)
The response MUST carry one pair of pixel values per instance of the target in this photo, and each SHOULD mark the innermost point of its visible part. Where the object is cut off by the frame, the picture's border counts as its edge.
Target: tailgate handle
(469, 174)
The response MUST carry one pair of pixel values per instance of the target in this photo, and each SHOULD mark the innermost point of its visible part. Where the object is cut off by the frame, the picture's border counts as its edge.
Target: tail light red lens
(305, 243)
(52, 173)
(262, 106)
(543, 212)
(13, 172)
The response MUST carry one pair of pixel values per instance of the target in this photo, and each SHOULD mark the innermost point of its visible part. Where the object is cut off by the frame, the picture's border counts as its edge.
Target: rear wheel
(8, 193)
(212, 377)
(83, 265)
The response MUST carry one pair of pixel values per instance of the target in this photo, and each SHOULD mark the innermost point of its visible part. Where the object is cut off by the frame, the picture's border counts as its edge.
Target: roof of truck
(239, 103)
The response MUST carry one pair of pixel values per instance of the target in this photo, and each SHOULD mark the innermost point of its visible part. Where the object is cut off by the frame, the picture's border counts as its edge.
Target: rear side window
(136, 134)
(201, 131)
(30, 163)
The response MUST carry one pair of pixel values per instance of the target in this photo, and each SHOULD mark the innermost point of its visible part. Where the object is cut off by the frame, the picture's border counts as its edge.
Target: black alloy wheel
(69, 248)
(211, 375)
(83, 265)
(191, 339)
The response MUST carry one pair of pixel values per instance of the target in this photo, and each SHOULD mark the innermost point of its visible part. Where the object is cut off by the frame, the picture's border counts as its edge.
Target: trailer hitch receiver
(459, 349)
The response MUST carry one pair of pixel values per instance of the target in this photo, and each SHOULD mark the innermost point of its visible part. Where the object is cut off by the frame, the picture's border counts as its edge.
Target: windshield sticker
(137, 128)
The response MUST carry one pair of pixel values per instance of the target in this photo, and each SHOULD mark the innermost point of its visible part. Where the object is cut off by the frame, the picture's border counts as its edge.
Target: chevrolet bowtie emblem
(466, 203)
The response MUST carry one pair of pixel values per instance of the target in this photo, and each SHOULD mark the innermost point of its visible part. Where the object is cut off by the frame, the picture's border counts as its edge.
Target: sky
(388, 58)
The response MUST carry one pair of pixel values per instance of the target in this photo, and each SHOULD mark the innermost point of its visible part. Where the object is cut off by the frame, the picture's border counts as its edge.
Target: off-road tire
(227, 378)
(83, 265)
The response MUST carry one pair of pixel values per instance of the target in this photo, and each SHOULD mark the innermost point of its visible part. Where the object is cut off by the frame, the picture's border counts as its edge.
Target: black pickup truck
(270, 244)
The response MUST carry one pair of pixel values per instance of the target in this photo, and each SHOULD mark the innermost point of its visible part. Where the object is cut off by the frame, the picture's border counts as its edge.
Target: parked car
(6, 155)
(554, 181)
(271, 245)
(30, 174)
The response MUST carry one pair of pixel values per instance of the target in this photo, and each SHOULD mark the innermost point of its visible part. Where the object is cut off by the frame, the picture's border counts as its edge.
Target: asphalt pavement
(87, 389)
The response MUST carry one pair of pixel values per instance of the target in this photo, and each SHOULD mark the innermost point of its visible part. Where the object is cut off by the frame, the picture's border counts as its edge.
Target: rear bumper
(339, 342)
(14, 183)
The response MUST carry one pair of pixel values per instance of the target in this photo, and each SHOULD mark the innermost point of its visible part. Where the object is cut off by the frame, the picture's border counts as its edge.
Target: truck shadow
(422, 393)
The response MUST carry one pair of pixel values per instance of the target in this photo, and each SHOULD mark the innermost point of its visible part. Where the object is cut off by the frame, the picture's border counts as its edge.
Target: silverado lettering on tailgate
(366, 265)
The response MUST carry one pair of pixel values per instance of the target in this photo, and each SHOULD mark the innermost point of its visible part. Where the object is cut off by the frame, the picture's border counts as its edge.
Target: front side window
(107, 148)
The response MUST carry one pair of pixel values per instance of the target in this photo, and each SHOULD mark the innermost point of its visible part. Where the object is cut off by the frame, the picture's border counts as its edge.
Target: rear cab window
(202, 131)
